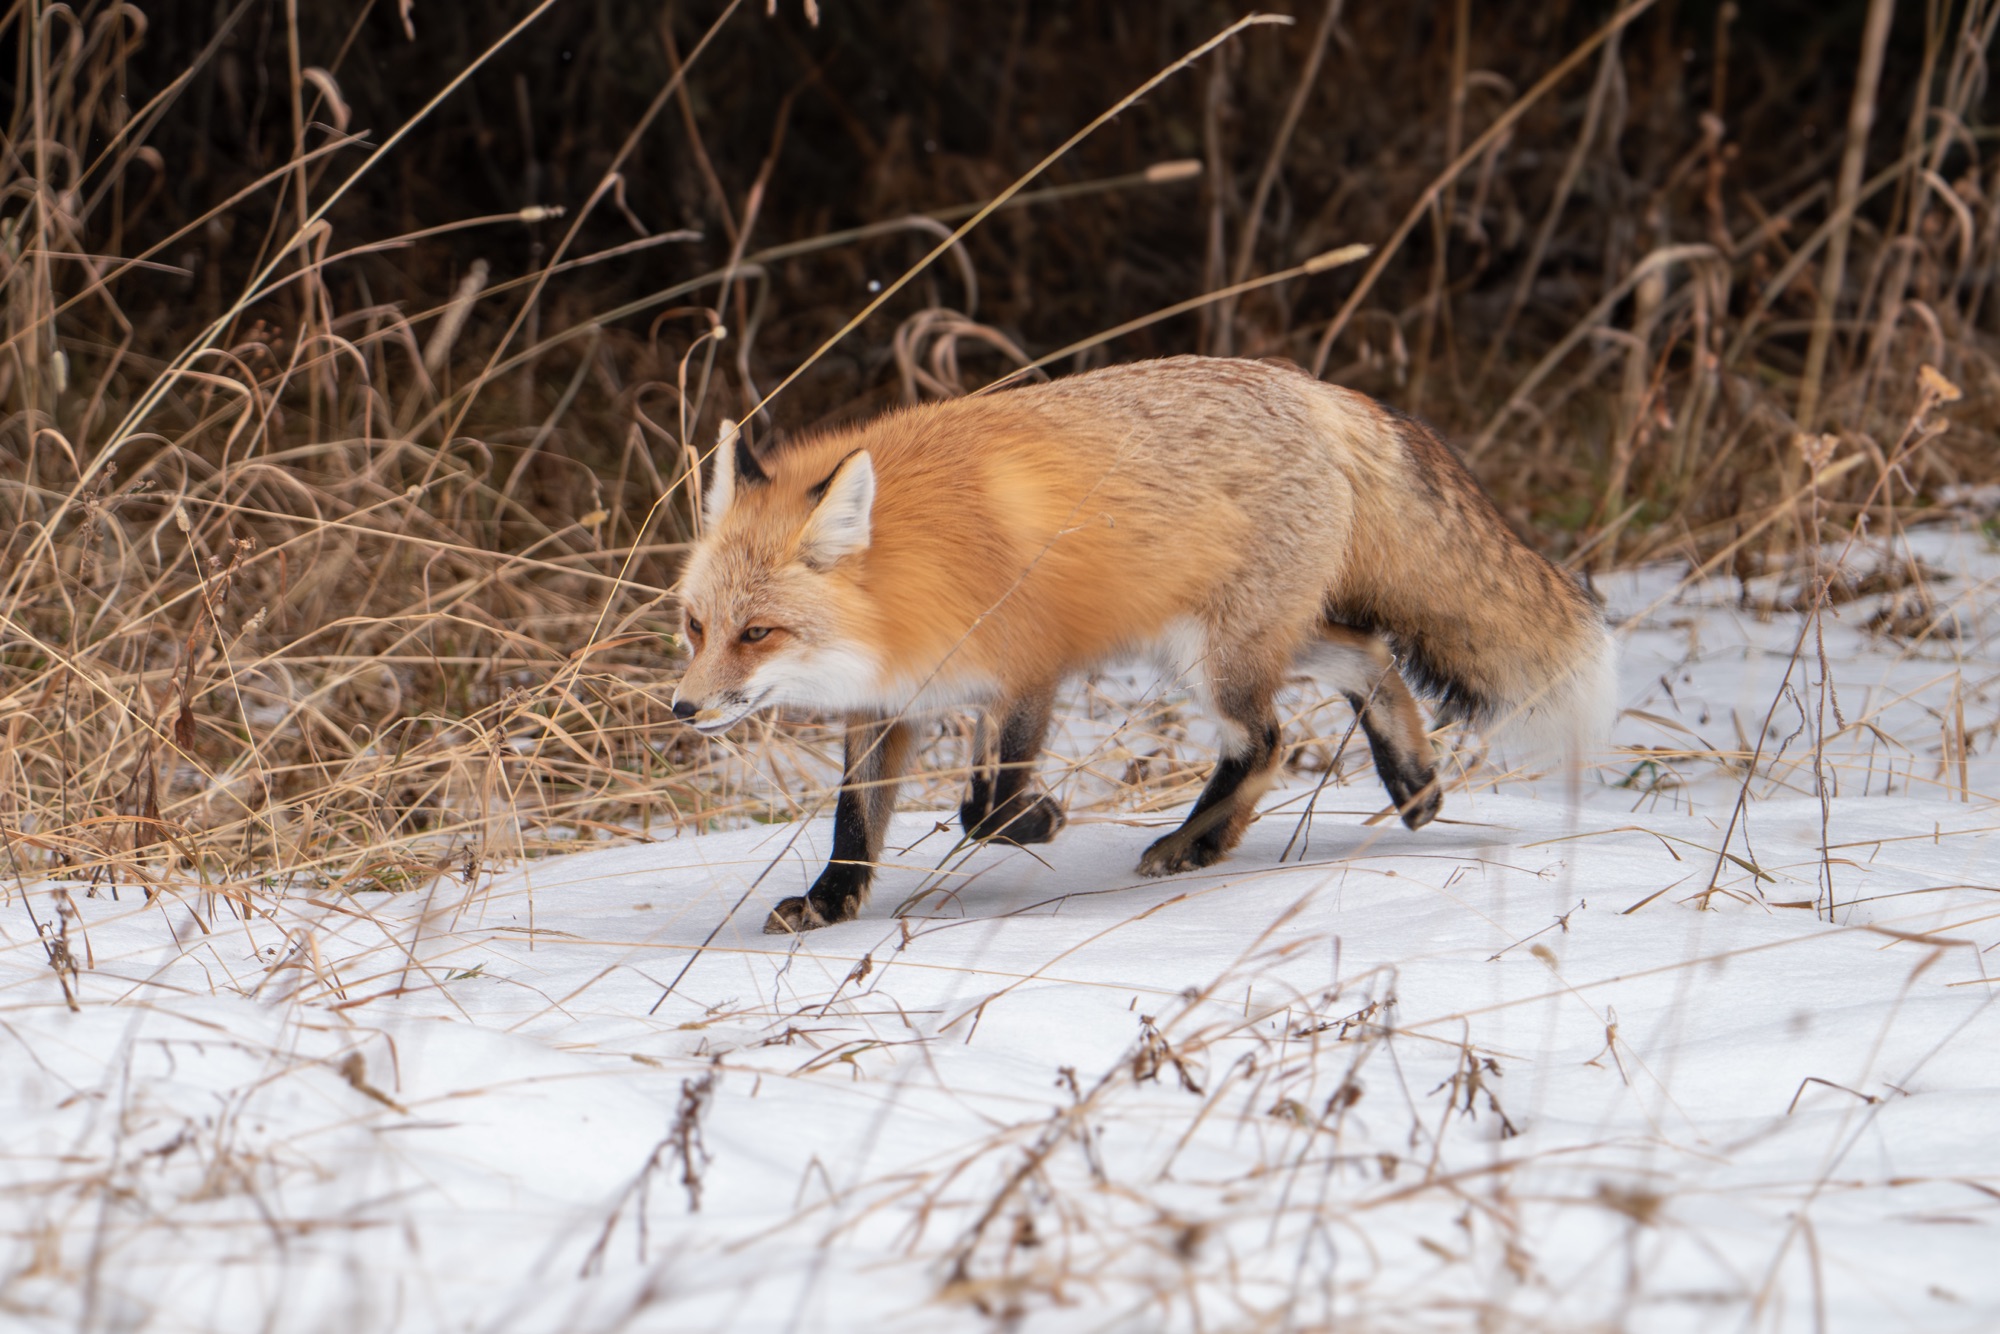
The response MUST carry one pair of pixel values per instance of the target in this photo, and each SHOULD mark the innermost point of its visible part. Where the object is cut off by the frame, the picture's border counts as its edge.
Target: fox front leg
(873, 764)
(1001, 802)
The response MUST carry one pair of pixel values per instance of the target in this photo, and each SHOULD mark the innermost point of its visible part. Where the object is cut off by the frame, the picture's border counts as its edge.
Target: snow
(1517, 1070)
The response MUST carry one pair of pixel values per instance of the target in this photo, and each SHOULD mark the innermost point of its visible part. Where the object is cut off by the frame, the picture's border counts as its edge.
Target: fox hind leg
(1223, 811)
(1000, 801)
(1361, 667)
(876, 752)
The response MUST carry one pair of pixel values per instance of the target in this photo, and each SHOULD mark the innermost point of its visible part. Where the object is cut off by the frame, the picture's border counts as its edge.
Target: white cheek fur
(850, 680)
(833, 680)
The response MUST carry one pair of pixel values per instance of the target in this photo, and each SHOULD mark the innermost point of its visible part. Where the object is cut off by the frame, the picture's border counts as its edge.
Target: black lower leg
(1209, 817)
(1410, 778)
(1000, 802)
(843, 886)
(874, 758)
(1217, 820)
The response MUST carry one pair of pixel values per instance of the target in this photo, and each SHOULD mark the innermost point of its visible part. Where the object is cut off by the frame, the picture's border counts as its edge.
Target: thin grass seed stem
(1607, 67)
(1274, 160)
(1860, 117)
(1504, 124)
(604, 187)
(758, 261)
(993, 205)
(150, 399)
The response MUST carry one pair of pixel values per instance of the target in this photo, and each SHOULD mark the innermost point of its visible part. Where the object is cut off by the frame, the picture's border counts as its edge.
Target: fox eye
(755, 633)
(694, 626)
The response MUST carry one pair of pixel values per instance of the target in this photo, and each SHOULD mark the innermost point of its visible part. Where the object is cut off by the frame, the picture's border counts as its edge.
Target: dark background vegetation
(887, 108)
(315, 547)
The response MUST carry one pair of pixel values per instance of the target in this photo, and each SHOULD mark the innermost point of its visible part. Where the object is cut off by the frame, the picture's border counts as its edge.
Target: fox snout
(715, 715)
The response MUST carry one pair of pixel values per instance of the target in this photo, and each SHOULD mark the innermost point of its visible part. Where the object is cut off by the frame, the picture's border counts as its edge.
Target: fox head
(770, 593)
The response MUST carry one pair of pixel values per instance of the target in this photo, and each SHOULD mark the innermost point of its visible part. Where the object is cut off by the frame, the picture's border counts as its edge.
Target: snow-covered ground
(1502, 1073)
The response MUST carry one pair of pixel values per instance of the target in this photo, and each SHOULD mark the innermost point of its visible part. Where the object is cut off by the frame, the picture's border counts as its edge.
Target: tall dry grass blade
(452, 323)
(156, 392)
(1274, 159)
(999, 201)
(1860, 120)
(1502, 125)
(1538, 249)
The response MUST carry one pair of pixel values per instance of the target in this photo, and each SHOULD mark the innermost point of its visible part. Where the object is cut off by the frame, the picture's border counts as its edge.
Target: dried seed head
(1936, 387)
(1179, 169)
(1817, 451)
(1333, 259)
(811, 7)
(453, 320)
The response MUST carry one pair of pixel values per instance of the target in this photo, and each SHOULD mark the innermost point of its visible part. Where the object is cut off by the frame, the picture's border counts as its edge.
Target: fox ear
(840, 524)
(735, 466)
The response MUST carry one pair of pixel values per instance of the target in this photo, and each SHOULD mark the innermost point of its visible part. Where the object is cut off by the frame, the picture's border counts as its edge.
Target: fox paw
(1418, 796)
(1174, 854)
(836, 896)
(1424, 808)
(1020, 822)
(793, 916)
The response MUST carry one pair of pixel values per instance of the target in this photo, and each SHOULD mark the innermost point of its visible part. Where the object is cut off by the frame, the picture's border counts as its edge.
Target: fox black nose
(683, 710)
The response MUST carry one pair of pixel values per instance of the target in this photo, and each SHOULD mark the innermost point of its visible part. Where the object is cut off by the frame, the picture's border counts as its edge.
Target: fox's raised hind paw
(1417, 793)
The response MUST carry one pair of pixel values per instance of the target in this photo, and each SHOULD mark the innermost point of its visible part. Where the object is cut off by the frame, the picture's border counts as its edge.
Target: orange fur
(1233, 517)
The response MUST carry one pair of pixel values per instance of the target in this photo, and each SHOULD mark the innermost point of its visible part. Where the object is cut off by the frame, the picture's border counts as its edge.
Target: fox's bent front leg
(872, 766)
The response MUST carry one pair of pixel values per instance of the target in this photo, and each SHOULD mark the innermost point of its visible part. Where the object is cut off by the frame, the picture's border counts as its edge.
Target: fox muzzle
(719, 717)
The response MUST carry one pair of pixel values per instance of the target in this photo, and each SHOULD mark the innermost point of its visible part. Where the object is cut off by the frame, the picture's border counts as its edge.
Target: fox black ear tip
(748, 470)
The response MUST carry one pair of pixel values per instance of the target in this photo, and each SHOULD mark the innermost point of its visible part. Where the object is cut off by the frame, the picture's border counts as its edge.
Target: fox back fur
(1237, 520)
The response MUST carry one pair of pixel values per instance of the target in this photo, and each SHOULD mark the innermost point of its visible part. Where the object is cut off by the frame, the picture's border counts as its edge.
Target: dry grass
(343, 497)
(307, 585)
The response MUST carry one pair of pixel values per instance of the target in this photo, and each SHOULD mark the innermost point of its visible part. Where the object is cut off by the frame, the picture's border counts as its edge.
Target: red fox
(1237, 520)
